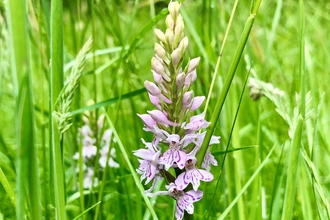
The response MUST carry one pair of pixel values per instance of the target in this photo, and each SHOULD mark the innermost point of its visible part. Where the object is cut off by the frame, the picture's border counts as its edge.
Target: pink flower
(196, 123)
(174, 154)
(192, 175)
(148, 166)
(184, 200)
(88, 149)
(88, 179)
(104, 155)
(209, 159)
(86, 131)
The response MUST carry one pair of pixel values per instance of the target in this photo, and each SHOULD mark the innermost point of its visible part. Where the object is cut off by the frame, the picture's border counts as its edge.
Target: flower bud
(180, 78)
(193, 64)
(183, 45)
(179, 26)
(169, 22)
(160, 51)
(166, 74)
(154, 100)
(169, 36)
(174, 8)
(160, 35)
(157, 77)
(187, 99)
(157, 65)
(190, 78)
(147, 120)
(159, 117)
(197, 102)
(152, 88)
(176, 57)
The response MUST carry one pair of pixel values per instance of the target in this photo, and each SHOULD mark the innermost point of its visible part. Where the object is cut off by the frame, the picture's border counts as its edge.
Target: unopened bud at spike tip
(174, 8)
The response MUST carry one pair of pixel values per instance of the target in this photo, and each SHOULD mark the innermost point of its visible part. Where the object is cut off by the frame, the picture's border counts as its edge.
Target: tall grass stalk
(55, 87)
(229, 78)
(292, 174)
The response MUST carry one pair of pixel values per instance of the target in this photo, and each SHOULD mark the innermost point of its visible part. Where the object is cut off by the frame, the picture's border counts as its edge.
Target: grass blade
(292, 172)
(109, 101)
(87, 210)
(7, 187)
(221, 152)
(27, 165)
(296, 142)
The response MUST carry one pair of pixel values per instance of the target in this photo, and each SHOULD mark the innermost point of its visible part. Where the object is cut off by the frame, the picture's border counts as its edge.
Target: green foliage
(273, 161)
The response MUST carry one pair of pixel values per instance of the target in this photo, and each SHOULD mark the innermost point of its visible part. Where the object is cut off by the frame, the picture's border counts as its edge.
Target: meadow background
(277, 161)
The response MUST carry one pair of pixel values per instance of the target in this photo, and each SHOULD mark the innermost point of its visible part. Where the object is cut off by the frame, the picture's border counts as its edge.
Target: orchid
(177, 132)
(184, 200)
(107, 153)
(192, 175)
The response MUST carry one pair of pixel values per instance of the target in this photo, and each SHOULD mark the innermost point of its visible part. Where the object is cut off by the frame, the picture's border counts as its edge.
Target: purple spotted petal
(193, 176)
(172, 156)
(185, 202)
(208, 160)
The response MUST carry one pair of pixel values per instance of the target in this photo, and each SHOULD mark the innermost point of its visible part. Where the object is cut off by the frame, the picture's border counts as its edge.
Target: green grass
(274, 152)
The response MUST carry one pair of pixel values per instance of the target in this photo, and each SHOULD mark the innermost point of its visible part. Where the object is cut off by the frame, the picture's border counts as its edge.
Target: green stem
(292, 171)
(188, 216)
(56, 84)
(230, 76)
